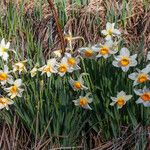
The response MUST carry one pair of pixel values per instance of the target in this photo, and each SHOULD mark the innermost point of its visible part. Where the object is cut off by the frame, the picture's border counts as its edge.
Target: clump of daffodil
(5, 76)
(141, 76)
(144, 96)
(78, 84)
(120, 100)
(63, 67)
(49, 68)
(87, 52)
(84, 101)
(110, 31)
(105, 50)
(5, 102)
(4, 47)
(72, 61)
(15, 89)
(124, 60)
(20, 66)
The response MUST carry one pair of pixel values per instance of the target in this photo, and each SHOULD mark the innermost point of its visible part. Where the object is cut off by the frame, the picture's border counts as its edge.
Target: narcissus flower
(63, 67)
(4, 102)
(72, 61)
(49, 68)
(120, 100)
(87, 52)
(141, 76)
(124, 60)
(144, 96)
(4, 47)
(110, 31)
(78, 84)
(84, 101)
(5, 76)
(34, 71)
(20, 66)
(105, 50)
(15, 89)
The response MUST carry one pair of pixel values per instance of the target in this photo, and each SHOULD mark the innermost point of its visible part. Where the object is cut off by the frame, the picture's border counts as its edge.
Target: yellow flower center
(88, 53)
(110, 31)
(104, 50)
(3, 76)
(120, 102)
(145, 96)
(71, 61)
(4, 49)
(124, 61)
(142, 78)
(13, 89)
(62, 68)
(47, 69)
(68, 37)
(83, 101)
(77, 85)
(3, 101)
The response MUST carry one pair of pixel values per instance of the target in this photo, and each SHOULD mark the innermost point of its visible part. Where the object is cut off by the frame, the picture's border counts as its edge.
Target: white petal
(104, 32)
(115, 63)
(18, 82)
(133, 76)
(117, 32)
(125, 69)
(109, 26)
(124, 52)
(108, 37)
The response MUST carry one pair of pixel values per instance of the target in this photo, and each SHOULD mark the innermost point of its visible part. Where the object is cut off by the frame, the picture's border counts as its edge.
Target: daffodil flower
(15, 89)
(87, 52)
(84, 101)
(141, 76)
(34, 71)
(144, 96)
(110, 31)
(5, 102)
(20, 66)
(5, 76)
(4, 47)
(63, 67)
(72, 61)
(124, 60)
(120, 100)
(78, 84)
(105, 50)
(49, 68)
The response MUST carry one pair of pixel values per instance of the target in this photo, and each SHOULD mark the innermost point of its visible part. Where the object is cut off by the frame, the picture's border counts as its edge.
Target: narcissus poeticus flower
(120, 100)
(141, 76)
(110, 31)
(4, 49)
(15, 89)
(5, 102)
(49, 68)
(63, 67)
(78, 84)
(105, 50)
(84, 101)
(87, 52)
(72, 61)
(5, 76)
(20, 66)
(144, 96)
(124, 60)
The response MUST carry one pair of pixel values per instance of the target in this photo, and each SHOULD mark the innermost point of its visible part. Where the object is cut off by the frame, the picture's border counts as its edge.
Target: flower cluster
(68, 63)
(11, 88)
